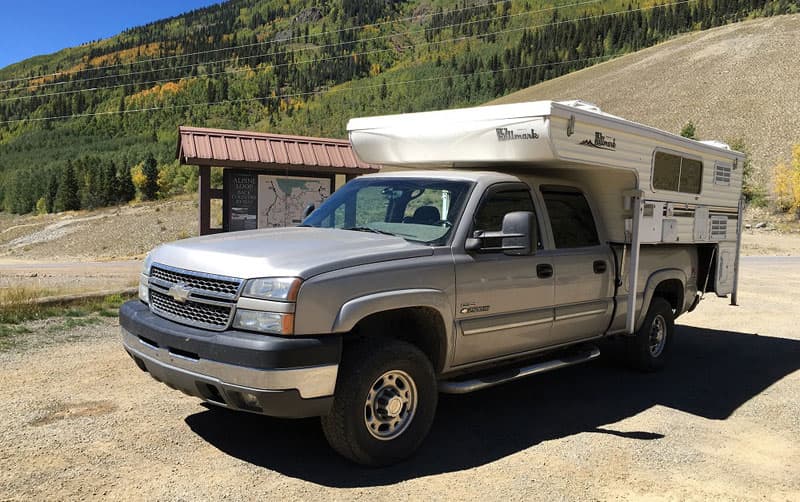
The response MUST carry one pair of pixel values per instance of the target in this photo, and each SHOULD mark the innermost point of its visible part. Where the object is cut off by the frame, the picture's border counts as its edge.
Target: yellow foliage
(159, 91)
(137, 176)
(126, 55)
(375, 69)
(787, 182)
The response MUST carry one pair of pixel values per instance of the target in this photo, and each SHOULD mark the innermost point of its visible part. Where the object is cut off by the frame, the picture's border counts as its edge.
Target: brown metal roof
(201, 146)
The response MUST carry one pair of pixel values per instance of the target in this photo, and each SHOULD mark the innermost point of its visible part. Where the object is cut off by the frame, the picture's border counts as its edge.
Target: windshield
(420, 210)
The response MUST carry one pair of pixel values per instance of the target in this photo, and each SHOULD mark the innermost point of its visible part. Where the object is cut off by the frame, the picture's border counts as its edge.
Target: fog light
(250, 400)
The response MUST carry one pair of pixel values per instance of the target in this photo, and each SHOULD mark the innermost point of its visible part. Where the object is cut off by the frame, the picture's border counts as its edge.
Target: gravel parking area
(722, 421)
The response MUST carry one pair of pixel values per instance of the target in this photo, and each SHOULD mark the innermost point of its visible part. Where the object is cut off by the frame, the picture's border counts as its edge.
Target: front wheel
(385, 402)
(649, 348)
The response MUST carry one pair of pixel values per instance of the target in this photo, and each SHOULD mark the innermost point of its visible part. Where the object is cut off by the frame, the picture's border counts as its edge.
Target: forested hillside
(78, 127)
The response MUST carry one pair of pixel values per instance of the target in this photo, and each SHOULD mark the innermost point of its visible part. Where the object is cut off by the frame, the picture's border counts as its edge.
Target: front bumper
(277, 376)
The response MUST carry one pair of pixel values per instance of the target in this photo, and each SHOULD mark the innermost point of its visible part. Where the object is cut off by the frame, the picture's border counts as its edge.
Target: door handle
(544, 270)
(599, 266)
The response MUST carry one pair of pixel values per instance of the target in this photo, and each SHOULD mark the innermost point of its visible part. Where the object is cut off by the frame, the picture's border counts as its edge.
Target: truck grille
(224, 286)
(201, 300)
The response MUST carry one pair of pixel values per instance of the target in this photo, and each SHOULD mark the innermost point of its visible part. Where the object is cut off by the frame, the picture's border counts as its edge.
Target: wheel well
(672, 291)
(422, 327)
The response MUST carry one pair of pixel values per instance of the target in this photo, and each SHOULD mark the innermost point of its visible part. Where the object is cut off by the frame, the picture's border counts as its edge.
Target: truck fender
(358, 308)
(653, 281)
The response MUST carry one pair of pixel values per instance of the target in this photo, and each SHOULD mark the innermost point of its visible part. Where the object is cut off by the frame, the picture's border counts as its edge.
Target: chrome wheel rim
(658, 336)
(391, 404)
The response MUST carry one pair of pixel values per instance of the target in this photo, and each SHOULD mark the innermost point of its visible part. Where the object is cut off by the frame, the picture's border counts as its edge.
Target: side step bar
(466, 386)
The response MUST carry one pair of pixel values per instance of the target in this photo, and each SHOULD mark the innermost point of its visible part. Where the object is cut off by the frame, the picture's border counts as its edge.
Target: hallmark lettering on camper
(601, 141)
(506, 134)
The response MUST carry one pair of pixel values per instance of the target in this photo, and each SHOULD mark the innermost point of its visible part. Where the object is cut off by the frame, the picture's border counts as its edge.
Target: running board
(466, 386)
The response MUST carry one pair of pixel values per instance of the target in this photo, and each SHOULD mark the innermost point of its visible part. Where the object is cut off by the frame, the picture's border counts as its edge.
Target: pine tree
(52, 190)
(67, 198)
(150, 171)
(125, 191)
(689, 130)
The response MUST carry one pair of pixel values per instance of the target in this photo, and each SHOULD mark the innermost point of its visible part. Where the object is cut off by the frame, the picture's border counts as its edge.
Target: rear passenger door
(583, 268)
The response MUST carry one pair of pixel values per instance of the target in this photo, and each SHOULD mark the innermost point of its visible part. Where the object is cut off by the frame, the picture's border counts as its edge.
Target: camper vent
(719, 227)
(722, 174)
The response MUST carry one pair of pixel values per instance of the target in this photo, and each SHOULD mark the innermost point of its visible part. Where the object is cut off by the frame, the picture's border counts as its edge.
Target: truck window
(494, 207)
(570, 217)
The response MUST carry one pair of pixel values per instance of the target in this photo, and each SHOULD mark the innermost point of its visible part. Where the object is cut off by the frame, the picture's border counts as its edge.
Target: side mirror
(308, 210)
(521, 233)
(518, 236)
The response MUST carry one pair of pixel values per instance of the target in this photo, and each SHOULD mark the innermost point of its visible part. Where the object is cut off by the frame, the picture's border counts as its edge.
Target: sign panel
(267, 201)
(282, 199)
(243, 201)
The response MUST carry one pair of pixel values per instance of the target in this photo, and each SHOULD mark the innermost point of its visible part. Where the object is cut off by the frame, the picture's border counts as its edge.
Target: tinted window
(676, 173)
(570, 217)
(489, 217)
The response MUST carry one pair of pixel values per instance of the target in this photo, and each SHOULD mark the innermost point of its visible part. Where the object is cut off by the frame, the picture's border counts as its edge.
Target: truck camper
(498, 242)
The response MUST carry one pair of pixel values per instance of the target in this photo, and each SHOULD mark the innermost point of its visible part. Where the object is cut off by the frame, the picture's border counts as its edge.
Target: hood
(285, 252)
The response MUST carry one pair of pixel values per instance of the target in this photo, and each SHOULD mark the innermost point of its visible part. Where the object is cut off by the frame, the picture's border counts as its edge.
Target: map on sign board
(282, 199)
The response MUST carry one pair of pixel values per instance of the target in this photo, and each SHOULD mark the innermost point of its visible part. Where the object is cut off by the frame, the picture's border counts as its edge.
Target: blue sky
(30, 28)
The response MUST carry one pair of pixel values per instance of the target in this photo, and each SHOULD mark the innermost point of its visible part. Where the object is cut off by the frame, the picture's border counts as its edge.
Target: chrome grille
(199, 314)
(226, 287)
(201, 300)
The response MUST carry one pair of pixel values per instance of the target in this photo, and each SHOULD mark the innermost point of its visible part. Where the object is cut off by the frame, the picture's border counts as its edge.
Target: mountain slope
(75, 125)
(740, 81)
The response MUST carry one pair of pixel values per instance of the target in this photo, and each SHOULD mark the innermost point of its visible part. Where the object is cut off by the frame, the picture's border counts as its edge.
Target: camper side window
(570, 217)
(676, 173)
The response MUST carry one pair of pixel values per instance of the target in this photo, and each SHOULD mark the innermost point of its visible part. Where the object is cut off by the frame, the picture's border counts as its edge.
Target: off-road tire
(364, 362)
(643, 351)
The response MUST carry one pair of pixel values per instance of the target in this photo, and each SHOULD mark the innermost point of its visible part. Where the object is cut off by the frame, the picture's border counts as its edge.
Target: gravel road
(79, 421)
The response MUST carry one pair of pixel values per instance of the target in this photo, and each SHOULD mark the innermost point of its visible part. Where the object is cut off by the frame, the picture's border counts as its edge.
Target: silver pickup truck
(398, 287)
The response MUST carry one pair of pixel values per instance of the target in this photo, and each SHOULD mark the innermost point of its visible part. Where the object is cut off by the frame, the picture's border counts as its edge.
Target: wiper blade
(368, 229)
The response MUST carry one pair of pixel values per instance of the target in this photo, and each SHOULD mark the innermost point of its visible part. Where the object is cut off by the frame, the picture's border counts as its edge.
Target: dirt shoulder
(80, 421)
(117, 233)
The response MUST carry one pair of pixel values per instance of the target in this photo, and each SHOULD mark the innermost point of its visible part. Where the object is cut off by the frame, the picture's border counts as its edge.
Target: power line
(267, 42)
(284, 53)
(330, 58)
(310, 93)
(348, 56)
(679, 2)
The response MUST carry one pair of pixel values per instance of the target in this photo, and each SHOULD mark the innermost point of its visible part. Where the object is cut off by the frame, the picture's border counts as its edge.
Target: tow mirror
(521, 233)
(516, 239)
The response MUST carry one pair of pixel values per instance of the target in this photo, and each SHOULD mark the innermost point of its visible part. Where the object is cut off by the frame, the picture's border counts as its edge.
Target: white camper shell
(649, 186)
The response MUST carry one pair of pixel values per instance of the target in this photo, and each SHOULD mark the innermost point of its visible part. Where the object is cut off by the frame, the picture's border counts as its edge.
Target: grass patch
(18, 306)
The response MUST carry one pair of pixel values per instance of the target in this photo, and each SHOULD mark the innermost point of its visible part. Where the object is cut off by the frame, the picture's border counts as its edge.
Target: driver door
(504, 304)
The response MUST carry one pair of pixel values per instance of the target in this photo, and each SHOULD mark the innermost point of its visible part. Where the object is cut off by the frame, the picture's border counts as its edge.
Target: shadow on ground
(710, 375)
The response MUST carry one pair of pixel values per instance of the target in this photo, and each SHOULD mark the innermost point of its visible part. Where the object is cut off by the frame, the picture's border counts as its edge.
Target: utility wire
(310, 93)
(345, 56)
(281, 53)
(309, 61)
(267, 42)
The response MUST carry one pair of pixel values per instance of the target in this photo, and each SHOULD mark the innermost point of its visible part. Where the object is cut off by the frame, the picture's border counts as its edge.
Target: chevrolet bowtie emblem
(179, 293)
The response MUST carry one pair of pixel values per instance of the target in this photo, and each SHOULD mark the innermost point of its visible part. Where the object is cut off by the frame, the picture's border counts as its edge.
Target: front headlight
(282, 289)
(148, 262)
(144, 291)
(265, 322)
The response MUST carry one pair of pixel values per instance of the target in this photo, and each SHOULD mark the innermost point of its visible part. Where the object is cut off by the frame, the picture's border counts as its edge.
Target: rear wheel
(649, 348)
(385, 402)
